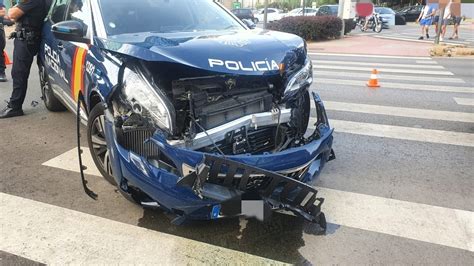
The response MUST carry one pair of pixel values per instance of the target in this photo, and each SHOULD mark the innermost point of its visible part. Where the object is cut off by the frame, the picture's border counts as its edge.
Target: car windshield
(384, 10)
(164, 16)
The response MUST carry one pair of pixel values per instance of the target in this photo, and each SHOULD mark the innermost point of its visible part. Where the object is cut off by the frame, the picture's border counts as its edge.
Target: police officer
(29, 16)
(3, 77)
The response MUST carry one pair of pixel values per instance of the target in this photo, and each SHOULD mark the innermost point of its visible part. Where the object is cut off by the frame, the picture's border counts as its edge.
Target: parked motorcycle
(375, 23)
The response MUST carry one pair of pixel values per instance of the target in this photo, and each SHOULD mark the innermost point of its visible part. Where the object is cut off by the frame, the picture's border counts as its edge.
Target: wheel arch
(94, 98)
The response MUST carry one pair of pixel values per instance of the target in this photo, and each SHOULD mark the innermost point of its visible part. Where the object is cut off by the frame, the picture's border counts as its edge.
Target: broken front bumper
(206, 186)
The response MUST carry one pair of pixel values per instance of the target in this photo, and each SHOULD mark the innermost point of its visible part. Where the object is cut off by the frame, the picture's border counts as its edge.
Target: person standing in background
(446, 18)
(457, 18)
(3, 77)
(425, 19)
(436, 19)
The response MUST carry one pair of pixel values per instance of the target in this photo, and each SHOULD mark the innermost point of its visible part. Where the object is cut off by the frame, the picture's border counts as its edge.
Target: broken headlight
(302, 78)
(146, 101)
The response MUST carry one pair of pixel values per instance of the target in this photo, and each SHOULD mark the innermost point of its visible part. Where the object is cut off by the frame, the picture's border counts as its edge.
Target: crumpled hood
(246, 52)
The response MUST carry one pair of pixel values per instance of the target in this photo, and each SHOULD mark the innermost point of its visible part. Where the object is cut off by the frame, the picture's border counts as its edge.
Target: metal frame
(279, 191)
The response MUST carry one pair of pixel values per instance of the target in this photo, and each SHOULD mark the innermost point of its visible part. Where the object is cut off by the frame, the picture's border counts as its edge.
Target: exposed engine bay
(226, 114)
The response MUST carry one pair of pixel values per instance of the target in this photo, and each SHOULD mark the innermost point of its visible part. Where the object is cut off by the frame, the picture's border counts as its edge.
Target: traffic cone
(373, 81)
(7, 59)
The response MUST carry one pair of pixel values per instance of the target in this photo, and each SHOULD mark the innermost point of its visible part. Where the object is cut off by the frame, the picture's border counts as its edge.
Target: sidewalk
(371, 46)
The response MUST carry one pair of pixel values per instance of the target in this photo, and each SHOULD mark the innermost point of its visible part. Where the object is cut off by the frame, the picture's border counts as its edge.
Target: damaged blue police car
(187, 108)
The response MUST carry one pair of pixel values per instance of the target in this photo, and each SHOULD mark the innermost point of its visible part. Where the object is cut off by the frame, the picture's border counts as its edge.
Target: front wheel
(97, 143)
(361, 24)
(378, 26)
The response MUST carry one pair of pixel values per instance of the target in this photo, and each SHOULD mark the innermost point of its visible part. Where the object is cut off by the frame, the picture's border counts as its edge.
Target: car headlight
(302, 78)
(145, 100)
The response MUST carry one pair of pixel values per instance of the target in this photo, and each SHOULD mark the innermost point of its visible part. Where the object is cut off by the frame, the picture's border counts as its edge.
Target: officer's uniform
(27, 44)
(2, 44)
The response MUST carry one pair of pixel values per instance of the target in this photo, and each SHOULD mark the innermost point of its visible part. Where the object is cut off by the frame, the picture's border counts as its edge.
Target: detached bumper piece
(278, 191)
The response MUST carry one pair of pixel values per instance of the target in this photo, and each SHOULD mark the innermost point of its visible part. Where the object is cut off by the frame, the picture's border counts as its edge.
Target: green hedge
(310, 28)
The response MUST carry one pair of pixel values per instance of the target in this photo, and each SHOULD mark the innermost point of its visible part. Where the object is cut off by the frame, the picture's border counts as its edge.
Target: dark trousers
(23, 55)
(2, 47)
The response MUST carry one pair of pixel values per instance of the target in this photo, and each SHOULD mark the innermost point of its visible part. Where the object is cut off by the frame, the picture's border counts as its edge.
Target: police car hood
(253, 52)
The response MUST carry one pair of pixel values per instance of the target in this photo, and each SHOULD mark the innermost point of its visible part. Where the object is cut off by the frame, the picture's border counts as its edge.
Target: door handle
(60, 46)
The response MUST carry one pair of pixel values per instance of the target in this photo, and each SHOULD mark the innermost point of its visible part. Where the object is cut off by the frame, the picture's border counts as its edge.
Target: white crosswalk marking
(59, 236)
(384, 76)
(403, 86)
(400, 111)
(443, 226)
(387, 70)
(68, 161)
(374, 65)
(465, 101)
(369, 56)
(405, 133)
(425, 62)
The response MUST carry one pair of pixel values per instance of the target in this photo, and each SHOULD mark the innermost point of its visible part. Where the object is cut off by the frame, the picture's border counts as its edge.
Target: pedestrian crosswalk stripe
(404, 133)
(68, 161)
(387, 70)
(371, 56)
(384, 76)
(425, 62)
(465, 101)
(375, 64)
(438, 225)
(402, 86)
(400, 111)
(58, 236)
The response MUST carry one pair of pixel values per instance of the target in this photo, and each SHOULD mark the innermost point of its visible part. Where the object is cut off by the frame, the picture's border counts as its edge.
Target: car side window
(79, 10)
(58, 12)
(323, 11)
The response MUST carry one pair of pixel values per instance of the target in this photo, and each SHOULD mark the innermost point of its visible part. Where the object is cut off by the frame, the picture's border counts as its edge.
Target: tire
(50, 100)
(378, 27)
(97, 144)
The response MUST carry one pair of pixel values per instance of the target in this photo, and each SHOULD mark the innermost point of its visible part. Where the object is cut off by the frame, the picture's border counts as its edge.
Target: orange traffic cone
(373, 81)
(7, 59)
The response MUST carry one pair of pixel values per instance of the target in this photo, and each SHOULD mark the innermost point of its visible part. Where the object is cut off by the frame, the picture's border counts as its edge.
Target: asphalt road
(383, 191)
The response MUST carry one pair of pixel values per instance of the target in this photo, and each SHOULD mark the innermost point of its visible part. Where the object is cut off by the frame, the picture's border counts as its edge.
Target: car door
(50, 57)
(74, 54)
(272, 15)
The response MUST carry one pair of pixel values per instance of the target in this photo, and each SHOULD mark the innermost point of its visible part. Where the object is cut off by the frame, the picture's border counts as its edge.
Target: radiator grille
(135, 142)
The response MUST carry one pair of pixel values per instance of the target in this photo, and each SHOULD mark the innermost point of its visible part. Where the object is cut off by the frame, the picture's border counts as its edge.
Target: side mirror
(249, 23)
(70, 30)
